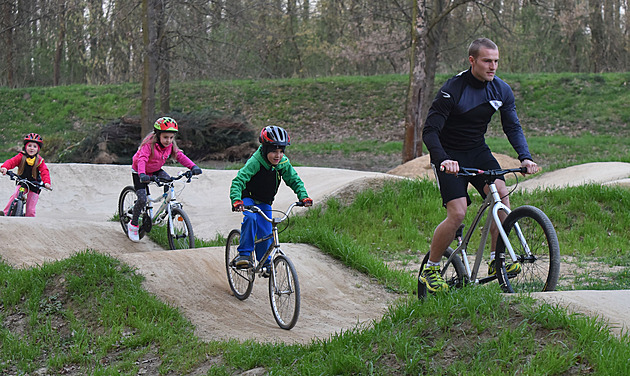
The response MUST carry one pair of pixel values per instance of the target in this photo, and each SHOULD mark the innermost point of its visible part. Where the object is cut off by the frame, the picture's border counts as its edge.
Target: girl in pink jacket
(31, 166)
(152, 154)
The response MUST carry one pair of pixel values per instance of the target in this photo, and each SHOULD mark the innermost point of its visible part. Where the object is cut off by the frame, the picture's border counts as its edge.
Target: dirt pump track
(77, 214)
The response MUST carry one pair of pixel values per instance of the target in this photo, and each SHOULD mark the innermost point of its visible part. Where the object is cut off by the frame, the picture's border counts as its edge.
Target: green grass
(90, 315)
(370, 109)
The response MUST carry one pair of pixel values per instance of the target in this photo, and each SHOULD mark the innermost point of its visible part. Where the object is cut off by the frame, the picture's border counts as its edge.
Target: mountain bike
(284, 288)
(19, 202)
(179, 230)
(527, 236)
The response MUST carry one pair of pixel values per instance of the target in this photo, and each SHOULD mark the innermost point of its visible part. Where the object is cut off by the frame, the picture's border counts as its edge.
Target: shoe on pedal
(242, 261)
(432, 278)
(510, 268)
(133, 232)
(266, 269)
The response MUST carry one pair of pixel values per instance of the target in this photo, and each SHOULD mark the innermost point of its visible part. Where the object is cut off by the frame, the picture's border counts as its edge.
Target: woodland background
(62, 42)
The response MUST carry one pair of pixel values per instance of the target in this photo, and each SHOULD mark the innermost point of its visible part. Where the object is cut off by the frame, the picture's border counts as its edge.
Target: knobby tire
(539, 272)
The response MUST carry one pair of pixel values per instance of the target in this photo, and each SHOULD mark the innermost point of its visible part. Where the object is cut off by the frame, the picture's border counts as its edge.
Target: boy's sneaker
(133, 232)
(242, 261)
(510, 268)
(432, 278)
(266, 269)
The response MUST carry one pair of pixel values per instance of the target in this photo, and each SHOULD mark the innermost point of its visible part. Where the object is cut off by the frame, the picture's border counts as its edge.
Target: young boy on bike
(31, 166)
(257, 184)
(151, 156)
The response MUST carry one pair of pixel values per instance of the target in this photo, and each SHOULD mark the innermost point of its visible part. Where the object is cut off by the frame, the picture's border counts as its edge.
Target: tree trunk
(412, 143)
(149, 76)
(60, 42)
(7, 29)
(163, 59)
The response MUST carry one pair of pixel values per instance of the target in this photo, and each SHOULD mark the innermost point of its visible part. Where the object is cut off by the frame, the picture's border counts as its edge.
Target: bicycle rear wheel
(126, 202)
(241, 280)
(284, 292)
(454, 273)
(540, 270)
(183, 236)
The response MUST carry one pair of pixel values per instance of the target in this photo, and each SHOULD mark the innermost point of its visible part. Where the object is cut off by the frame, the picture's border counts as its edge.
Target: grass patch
(88, 314)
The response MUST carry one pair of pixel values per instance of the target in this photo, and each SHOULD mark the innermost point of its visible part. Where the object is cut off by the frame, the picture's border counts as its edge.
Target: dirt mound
(421, 166)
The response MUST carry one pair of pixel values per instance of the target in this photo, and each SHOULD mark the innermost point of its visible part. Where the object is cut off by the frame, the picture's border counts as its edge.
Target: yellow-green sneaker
(432, 278)
(510, 267)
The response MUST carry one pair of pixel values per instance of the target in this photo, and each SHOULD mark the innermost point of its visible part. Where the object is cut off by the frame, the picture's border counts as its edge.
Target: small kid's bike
(19, 203)
(527, 236)
(284, 288)
(179, 229)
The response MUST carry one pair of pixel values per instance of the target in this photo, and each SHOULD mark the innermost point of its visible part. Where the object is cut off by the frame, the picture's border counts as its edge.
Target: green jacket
(259, 180)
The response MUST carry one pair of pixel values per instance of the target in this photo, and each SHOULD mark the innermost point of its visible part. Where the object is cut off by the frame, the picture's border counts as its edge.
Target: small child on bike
(31, 166)
(257, 184)
(148, 161)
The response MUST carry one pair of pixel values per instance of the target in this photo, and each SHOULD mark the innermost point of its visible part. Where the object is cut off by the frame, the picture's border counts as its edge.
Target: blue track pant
(254, 226)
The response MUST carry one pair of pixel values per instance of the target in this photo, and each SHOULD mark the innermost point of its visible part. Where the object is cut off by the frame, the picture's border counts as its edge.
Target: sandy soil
(76, 216)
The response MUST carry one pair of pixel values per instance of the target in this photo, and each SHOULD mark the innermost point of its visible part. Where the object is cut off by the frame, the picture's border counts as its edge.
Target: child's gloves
(307, 201)
(196, 170)
(144, 178)
(238, 206)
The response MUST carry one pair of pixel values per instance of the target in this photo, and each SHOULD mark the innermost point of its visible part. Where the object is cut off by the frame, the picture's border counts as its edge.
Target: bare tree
(427, 35)
(7, 31)
(149, 75)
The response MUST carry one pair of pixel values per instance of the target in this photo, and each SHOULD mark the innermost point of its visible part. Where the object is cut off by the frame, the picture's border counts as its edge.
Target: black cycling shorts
(452, 187)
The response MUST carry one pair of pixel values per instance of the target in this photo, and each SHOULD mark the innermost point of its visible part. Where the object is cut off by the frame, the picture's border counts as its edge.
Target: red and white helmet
(274, 135)
(34, 137)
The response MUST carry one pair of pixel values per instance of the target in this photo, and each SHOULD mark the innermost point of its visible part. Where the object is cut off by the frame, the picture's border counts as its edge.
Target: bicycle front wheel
(454, 273)
(126, 202)
(182, 236)
(540, 268)
(284, 292)
(241, 280)
(16, 209)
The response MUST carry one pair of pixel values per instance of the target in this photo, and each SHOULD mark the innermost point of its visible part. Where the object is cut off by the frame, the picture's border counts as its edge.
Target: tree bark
(149, 76)
(60, 43)
(412, 143)
(7, 28)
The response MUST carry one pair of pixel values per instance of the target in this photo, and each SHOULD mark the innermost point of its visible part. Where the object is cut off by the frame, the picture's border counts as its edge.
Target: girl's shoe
(133, 232)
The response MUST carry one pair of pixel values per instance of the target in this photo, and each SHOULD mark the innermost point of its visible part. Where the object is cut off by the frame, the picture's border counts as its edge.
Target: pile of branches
(203, 135)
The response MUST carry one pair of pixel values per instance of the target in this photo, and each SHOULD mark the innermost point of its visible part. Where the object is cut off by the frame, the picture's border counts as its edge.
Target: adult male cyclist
(454, 135)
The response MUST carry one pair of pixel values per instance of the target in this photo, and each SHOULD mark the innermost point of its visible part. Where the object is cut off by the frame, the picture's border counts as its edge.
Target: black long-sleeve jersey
(459, 116)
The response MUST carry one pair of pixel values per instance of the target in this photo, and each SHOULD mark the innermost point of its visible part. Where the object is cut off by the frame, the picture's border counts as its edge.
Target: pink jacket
(145, 163)
(42, 169)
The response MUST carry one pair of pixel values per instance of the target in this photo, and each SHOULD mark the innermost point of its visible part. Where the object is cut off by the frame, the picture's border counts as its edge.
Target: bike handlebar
(467, 171)
(256, 209)
(161, 181)
(34, 184)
